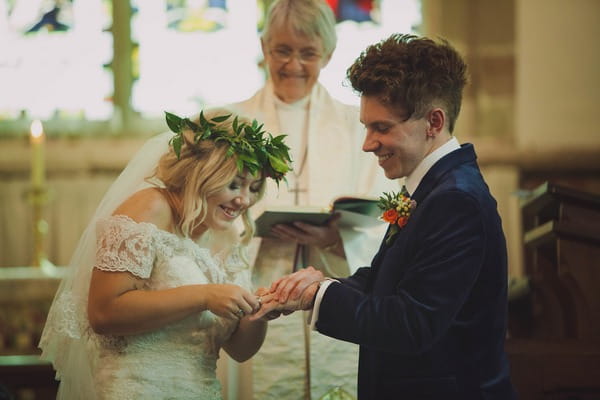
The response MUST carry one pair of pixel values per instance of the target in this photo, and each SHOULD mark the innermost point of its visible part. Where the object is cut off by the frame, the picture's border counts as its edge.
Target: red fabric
(334, 6)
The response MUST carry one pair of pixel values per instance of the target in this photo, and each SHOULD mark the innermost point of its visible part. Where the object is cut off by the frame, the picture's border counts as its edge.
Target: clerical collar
(300, 104)
(413, 180)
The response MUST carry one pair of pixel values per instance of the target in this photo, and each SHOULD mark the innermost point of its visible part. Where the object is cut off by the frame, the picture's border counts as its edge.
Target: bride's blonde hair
(201, 170)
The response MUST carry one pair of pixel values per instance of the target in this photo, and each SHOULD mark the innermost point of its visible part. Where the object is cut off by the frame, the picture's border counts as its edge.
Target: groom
(430, 313)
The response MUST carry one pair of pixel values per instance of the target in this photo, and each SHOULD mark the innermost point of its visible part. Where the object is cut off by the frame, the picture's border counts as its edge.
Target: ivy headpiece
(256, 150)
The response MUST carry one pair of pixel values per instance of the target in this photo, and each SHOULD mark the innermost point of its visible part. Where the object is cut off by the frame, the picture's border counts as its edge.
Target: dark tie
(404, 191)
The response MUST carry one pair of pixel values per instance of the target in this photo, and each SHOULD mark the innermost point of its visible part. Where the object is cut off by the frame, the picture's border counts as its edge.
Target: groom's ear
(436, 120)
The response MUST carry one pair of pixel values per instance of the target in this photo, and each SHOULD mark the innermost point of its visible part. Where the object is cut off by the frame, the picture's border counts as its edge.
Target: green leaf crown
(256, 150)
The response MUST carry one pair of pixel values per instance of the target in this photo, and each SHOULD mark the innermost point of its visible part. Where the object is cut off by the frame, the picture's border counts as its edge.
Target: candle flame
(37, 129)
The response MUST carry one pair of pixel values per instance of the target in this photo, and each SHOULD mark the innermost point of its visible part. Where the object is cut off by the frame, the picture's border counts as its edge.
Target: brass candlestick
(37, 197)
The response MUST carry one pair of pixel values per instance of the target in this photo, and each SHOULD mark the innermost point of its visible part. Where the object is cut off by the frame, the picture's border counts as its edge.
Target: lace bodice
(179, 360)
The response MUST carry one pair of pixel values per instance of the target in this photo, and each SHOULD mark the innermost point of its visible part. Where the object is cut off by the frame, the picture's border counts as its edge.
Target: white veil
(64, 340)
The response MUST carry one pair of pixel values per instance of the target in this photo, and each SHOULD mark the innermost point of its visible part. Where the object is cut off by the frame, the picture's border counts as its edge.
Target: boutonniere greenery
(396, 208)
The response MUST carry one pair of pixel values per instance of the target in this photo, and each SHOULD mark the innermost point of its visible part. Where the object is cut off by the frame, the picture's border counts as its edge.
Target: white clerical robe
(335, 166)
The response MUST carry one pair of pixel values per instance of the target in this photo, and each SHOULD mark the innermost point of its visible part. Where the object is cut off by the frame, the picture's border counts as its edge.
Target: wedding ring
(240, 312)
(259, 299)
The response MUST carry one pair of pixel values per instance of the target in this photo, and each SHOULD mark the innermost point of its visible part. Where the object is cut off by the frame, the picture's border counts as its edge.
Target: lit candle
(37, 154)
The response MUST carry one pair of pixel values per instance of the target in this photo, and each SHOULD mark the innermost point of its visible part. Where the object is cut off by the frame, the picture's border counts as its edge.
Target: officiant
(325, 138)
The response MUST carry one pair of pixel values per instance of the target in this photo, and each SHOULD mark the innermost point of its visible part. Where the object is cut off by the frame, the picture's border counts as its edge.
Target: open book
(356, 212)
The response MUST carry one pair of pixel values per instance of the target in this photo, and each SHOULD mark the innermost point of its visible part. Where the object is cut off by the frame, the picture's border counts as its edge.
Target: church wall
(79, 171)
(558, 64)
(530, 102)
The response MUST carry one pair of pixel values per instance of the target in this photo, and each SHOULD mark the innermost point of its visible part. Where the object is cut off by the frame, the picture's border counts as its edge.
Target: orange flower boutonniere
(397, 208)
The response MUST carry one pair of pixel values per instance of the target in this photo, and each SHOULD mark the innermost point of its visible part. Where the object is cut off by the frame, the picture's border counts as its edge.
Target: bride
(159, 281)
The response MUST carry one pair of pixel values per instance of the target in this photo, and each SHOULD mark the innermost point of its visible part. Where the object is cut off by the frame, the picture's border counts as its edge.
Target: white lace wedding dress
(179, 360)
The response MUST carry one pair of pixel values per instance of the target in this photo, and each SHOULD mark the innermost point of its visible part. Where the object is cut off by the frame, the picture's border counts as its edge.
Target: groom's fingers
(294, 285)
(306, 282)
(285, 287)
(275, 285)
(297, 285)
(266, 308)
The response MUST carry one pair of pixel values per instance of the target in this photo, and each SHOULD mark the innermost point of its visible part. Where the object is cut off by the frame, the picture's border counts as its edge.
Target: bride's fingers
(250, 303)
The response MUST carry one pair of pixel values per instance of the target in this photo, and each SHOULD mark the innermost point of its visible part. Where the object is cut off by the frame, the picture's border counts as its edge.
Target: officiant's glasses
(284, 55)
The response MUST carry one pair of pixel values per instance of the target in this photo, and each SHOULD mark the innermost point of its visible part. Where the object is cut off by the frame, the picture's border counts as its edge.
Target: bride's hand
(229, 301)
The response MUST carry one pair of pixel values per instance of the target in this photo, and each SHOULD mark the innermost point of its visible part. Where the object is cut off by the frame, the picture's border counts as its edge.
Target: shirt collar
(415, 177)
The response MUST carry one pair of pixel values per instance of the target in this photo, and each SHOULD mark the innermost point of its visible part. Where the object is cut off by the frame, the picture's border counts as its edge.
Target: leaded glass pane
(194, 53)
(52, 59)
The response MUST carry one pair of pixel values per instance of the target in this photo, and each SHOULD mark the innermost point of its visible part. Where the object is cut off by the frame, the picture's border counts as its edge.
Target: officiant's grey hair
(310, 18)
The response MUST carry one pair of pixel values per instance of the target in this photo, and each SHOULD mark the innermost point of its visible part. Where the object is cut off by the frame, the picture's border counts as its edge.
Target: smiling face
(224, 206)
(399, 145)
(293, 79)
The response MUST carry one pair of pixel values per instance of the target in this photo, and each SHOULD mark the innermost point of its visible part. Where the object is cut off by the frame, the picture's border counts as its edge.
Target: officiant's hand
(326, 237)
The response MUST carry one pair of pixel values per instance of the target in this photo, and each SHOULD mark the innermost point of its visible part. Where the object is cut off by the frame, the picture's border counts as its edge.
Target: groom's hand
(292, 287)
(271, 308)
(291, 293)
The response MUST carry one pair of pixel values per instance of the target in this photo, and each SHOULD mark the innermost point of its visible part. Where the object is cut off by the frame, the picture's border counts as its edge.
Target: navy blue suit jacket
(430, 313)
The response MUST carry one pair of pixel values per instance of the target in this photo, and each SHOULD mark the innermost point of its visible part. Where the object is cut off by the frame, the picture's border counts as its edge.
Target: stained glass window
(193, 53)
(52, 59)
(361, 23)
(58, 61)
(198, 52)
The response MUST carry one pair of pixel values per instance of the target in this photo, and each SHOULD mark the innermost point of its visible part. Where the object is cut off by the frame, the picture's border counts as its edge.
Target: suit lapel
(450, 161)
(382, 249)
(431, 179)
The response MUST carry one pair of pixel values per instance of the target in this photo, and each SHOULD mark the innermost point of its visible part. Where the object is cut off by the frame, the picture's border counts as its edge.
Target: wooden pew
(554, 343)
(27, 377)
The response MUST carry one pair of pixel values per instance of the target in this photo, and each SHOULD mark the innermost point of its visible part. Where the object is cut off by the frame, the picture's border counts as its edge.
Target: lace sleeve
(125, 245)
